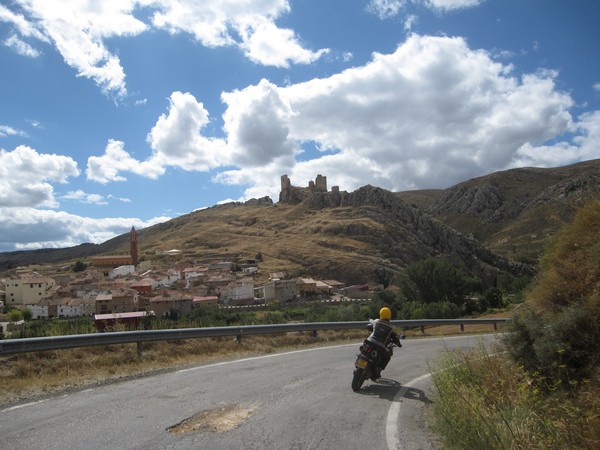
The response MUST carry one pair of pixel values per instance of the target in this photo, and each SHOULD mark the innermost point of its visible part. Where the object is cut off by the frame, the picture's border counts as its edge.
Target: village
(123, 288)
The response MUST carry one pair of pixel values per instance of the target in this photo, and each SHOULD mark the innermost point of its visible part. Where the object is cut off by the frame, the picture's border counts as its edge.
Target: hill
(483, 225)
(514, 212)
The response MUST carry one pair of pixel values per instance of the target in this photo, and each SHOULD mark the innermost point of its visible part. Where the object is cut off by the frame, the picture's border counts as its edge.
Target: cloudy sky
(130, 112)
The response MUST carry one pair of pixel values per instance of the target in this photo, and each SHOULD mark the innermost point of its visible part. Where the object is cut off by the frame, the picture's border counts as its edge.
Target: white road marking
(391, 426)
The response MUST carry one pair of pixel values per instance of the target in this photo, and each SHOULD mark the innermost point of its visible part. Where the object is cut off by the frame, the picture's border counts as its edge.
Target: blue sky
(120, 113)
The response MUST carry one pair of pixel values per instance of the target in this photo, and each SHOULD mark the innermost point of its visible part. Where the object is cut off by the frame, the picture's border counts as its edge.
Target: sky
(121, 113)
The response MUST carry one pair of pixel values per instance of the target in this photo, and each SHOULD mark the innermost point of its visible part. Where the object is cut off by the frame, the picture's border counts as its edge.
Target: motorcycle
(367, 363)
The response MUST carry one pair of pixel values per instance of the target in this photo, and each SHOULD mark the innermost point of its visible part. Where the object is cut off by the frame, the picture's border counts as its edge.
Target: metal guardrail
(11, 346)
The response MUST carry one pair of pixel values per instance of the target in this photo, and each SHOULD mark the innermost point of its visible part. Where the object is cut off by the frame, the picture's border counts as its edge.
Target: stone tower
(321, 183)
(133, 249)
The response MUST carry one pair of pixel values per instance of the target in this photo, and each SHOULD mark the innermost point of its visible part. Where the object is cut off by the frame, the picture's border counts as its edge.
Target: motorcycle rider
(382, 334)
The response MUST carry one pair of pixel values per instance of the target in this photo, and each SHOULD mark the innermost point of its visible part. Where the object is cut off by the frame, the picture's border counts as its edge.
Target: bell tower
(133, 249)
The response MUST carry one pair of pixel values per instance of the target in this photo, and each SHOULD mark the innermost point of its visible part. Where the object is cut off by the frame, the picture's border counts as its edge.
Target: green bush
(15, 315)
(561, 352)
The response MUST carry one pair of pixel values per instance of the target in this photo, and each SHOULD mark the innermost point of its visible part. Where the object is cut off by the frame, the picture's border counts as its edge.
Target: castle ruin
(293, 195)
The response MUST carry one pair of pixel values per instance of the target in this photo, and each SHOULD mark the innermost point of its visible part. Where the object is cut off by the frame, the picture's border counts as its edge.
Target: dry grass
(487, 401)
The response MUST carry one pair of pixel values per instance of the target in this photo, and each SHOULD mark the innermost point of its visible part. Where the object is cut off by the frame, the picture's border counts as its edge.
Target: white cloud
(21, 47)
(264, 43)
(79, 29)
(25, 177)
(106, 168)
(430, 114)
(450, 5)
(6, 130)
(257, 123)
(584, 146)
(385, 9)
(176, 139)
(34, 228)
(83, 197)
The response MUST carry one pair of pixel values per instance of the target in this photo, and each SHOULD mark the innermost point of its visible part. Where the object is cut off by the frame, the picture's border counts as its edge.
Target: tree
(15, 315)
(434, 280)
(27, 314)
(384, 276)
(78, 267)
(494, 298)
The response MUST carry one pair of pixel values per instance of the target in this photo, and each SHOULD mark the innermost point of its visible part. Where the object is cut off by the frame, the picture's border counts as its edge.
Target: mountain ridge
(487, 225)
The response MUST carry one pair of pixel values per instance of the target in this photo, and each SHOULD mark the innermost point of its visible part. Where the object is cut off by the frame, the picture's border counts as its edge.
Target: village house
(238, 292)
(143, 286)
(119, 302)
(121, 271)
(205, 301)
(28, 288)
(280, 290)
(85, 306)
(167, 305)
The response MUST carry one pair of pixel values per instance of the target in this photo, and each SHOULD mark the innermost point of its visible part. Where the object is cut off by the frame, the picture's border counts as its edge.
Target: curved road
(294, 400)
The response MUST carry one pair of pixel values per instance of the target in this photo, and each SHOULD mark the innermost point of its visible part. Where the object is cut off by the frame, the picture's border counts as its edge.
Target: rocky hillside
(514, 212)
(484, 225)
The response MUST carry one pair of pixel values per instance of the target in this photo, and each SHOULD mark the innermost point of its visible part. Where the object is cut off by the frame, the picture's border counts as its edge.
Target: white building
(122, 271)
(38, 311)
(238, 291)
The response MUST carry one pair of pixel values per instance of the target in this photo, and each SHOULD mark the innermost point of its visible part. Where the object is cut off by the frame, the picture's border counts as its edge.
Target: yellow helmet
(385, 313)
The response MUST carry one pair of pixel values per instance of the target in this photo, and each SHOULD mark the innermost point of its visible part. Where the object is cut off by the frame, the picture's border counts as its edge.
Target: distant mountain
(483, 225)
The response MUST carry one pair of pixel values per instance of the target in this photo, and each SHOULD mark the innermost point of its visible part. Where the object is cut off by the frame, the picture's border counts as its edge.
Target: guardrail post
(422, 329)
(495, 326)
(139, 348)
(238, 338)
(462, 327)
(314, 333)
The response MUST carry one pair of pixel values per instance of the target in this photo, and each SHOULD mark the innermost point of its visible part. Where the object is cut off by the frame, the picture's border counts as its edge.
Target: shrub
(557, 336)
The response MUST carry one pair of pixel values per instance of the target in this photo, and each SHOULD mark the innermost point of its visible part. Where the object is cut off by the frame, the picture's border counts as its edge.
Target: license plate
(362, 363)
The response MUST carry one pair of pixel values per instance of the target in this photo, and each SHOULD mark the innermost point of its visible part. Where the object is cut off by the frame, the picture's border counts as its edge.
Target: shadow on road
(388, 389)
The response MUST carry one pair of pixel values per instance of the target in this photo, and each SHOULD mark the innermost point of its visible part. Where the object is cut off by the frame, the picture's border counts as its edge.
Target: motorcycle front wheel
(358, 379)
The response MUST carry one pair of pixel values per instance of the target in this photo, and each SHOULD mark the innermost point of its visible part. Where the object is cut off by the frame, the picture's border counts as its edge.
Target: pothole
(220, 419)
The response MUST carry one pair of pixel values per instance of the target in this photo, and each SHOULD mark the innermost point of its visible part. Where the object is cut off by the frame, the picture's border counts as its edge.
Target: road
(294, 400)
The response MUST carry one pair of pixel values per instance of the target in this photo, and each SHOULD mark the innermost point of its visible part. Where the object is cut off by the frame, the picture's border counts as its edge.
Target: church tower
(133, 249)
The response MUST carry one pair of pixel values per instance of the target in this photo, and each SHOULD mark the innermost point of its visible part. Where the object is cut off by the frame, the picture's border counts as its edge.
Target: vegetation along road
(298, 399)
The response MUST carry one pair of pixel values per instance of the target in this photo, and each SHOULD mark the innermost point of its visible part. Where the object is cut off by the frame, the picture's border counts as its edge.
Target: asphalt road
(294, 400)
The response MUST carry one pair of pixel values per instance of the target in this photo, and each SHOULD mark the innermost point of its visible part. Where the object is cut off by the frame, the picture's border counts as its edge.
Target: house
(277, 276)
(38, 311)
(167, 305)
(115, 321)
(306, 287)
(335, 285)
(357, 292)
(206, 300)
(120, 302)
(85, 306)
(239, 292)
(280, 290)
(144, 286)
(27, 289)
(121, 271)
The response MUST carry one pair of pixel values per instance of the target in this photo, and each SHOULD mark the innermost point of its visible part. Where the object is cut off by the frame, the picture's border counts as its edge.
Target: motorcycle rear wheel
(358, 379)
